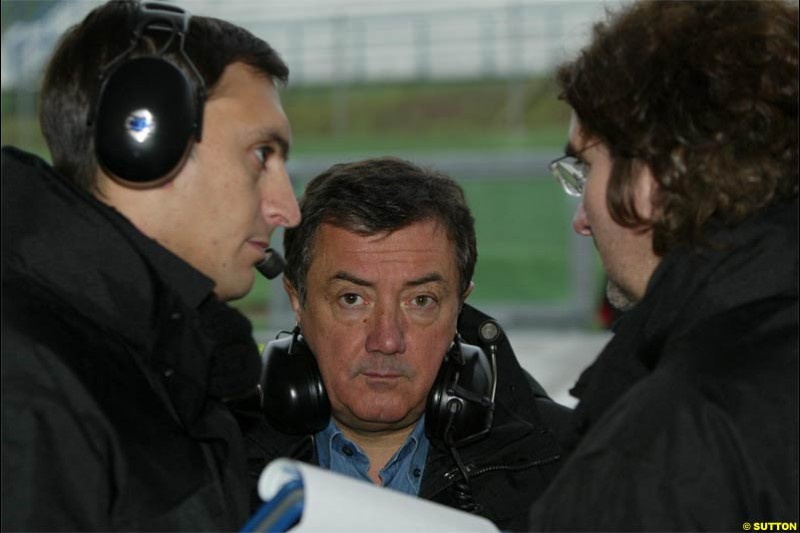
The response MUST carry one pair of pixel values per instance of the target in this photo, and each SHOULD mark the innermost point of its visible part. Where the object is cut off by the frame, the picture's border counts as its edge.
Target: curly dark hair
(72, 79)
(705, 94)
(380, 195)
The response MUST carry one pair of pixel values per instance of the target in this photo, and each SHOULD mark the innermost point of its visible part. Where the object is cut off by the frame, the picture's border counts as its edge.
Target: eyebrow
(430, 278)
(282, 142)
(345, 276)
(272, 135)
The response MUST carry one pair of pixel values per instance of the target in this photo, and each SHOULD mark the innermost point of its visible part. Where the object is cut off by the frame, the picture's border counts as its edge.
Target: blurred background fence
(462, 86)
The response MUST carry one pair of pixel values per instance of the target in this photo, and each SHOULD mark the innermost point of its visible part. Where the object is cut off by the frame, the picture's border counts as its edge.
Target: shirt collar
(403, 472)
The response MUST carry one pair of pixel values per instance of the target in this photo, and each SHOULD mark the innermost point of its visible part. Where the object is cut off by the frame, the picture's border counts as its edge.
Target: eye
(263, 153)
(351, 300)
(424, 301)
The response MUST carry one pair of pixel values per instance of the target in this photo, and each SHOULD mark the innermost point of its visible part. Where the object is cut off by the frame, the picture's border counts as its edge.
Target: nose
(386, 333)
(278, 202)
(580, 223)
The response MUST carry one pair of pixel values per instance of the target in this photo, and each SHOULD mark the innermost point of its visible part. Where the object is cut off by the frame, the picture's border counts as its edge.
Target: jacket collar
(87, 253)
(519, 436)
(754, 260)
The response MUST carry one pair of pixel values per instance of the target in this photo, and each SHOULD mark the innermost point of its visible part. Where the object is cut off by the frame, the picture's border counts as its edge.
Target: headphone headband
(151, 12)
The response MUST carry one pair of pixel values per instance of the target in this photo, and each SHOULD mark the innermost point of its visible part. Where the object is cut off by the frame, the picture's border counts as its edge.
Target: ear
(466, 295)
(467, 292)
(294, 299)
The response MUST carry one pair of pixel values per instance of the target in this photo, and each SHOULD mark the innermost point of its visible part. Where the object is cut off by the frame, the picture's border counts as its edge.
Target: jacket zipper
(451, 474)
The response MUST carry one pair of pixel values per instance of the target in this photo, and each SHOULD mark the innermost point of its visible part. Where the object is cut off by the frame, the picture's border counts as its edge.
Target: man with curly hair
(683, 152)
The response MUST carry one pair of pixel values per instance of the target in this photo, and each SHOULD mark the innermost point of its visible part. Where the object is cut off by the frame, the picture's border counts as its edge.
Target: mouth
(261, 245)
(381, 375)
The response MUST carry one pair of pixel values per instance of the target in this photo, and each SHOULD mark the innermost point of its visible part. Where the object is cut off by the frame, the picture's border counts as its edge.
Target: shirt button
(347, 450)
(417, 472)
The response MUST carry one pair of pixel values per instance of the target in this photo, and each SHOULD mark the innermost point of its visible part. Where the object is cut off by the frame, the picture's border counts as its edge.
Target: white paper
(334, 502)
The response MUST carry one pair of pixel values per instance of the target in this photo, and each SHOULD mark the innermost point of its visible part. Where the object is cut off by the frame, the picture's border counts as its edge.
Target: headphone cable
(462, 489)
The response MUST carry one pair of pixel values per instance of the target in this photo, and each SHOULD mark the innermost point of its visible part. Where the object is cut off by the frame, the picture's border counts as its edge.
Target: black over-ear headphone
(294, 397)
(148, 113)
(460, 405)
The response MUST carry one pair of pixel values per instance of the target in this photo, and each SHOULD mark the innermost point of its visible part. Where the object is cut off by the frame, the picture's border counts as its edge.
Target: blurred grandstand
(346, 40)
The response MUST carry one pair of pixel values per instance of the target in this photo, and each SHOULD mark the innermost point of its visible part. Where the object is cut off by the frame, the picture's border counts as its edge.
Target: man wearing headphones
(119, 355)
(389, 376)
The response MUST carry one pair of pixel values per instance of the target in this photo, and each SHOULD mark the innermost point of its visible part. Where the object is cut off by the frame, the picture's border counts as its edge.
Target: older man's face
(379, 315)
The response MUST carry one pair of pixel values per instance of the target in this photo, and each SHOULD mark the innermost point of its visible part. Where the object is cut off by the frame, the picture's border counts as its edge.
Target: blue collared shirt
(403, 472)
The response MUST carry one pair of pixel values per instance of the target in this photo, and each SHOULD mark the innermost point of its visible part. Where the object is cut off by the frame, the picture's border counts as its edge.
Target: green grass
(413, 107)
(522, 245)
(461, 115)
(429, 142)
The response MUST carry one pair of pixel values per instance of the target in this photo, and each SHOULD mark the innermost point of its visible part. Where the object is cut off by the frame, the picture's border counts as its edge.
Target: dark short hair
(705, 94)
(71, 81)
(377, 196)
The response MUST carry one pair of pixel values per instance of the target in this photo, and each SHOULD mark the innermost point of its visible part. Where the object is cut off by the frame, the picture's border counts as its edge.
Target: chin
(377, 412)
(620, 298)
(235, 291)
(383, 418)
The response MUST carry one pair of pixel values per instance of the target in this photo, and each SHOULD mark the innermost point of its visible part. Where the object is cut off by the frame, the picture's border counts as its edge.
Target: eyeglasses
(570, 172)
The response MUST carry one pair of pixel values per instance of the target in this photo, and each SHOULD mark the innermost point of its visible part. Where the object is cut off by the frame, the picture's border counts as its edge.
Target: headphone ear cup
(145, 120)
(437, 409)
(460, 407)
(295, 399)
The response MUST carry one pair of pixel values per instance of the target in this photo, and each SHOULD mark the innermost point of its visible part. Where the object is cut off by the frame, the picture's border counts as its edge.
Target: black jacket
(688, 420)
(115, 357)
(508, 469)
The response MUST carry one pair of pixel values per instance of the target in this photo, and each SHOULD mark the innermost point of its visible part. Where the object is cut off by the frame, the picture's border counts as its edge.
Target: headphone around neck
(148, 113)
(459, 409)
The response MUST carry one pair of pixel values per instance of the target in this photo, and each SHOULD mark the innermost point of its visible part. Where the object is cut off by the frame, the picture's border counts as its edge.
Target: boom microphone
(272, 265)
